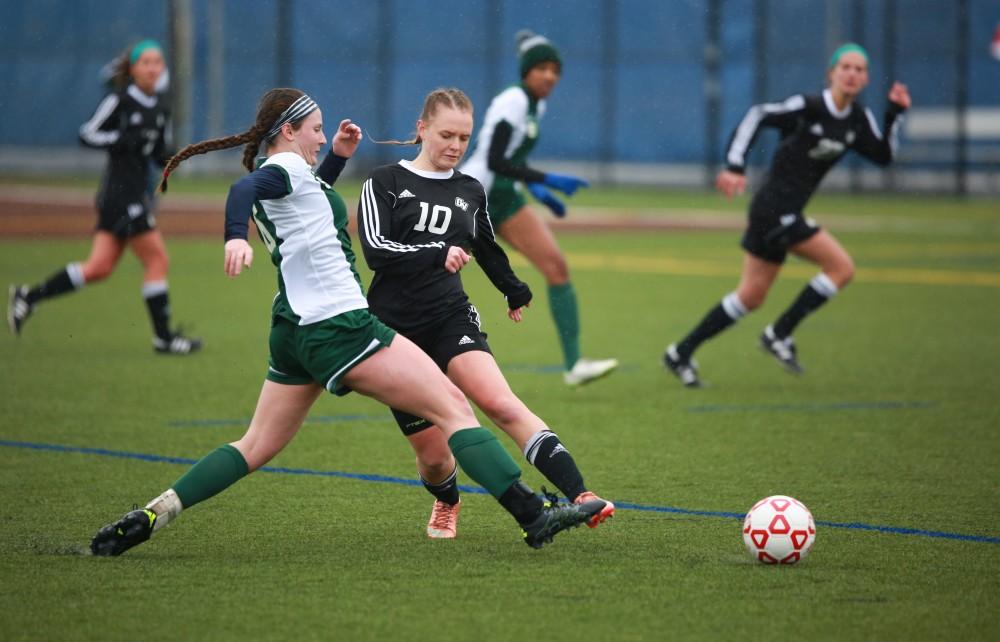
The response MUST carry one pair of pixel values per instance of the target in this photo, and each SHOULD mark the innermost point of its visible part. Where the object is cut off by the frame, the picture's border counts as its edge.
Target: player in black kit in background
(131, 124)
(419, 223)
(816, 131)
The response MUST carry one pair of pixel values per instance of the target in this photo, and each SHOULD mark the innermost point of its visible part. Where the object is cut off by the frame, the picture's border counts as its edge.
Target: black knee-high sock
(546, 453)
(158, 303)
(446, 491)
(725, 314)
(521, 502)
(814, 295)
(65, 280)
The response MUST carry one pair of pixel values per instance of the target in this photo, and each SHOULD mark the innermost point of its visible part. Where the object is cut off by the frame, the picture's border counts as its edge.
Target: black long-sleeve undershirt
(501, 165)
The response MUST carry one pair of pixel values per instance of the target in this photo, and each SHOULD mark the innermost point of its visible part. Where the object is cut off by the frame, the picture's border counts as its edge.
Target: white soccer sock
(824, 285)
(167, 506)
(153, 288)
(734, 307)
(75, 273)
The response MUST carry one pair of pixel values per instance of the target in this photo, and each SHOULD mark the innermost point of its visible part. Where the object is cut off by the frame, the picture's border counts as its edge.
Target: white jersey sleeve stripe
(90, 131)
(747, 128)
(871, 123)
(369, 216)
(893, 131)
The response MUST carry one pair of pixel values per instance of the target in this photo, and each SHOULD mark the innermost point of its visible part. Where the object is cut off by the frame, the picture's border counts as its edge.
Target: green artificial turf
(893, 426)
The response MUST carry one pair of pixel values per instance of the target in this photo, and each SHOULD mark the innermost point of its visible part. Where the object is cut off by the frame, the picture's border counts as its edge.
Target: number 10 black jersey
(407, 220)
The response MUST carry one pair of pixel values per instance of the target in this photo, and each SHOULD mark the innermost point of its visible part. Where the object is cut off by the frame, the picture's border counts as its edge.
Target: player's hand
(516, 314)
(545, 197)
(900, 95)
(238, 254)
(565, 184)
(346, 140)
(730, 183)
(456, 259)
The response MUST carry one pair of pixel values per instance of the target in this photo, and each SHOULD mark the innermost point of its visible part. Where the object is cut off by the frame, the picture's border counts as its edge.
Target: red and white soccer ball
(779, 530)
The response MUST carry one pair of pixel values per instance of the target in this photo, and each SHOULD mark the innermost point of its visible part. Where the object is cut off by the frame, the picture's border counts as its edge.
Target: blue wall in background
(633, 88)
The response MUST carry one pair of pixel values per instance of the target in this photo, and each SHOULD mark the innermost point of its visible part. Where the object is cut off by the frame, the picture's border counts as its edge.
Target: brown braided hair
(270, 107)
(441, 97)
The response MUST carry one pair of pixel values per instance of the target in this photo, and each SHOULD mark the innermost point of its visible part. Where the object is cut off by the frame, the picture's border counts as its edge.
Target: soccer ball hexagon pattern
(779, 530)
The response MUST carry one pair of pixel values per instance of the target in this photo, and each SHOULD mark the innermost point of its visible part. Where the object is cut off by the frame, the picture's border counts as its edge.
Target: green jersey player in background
(499, 161)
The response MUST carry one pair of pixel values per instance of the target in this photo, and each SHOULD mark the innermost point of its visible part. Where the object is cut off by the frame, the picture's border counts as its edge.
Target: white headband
(299, 109)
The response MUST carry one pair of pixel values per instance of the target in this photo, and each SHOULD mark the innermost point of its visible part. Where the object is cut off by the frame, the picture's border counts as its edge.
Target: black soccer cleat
(684, 369)
(176, 343)
(556, 517)
(131, 530)
(781, 349)
(18, 308)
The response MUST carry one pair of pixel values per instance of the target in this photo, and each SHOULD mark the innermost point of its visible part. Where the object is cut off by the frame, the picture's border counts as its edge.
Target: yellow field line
(666, 265)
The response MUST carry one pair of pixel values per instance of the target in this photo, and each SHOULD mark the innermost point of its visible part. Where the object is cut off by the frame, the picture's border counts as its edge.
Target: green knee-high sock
(483, 459)
(217, 471)
(562, 304)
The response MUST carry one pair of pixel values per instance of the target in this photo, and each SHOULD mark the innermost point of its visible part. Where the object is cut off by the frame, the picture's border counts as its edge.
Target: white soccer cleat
(587, 370)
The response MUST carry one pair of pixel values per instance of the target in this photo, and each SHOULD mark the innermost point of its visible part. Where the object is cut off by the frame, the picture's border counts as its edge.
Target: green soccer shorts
(324, 351)
(504, 201)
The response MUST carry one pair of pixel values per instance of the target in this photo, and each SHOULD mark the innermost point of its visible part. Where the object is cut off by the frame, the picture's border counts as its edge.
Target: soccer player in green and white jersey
(499, 161)
(322, 334)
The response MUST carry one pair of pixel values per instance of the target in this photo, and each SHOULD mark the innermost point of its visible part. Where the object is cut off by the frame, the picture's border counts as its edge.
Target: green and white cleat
(586, 370)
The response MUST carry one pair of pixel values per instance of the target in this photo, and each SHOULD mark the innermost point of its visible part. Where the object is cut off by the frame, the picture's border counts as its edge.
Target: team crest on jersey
(826, 149)
(135, 118)
(532, 131)
(816, 129)
(849, 137)
(461, 204)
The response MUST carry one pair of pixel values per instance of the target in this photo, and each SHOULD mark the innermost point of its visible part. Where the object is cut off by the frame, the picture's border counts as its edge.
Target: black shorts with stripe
(125, 218)
(774, 227)
(456, 334)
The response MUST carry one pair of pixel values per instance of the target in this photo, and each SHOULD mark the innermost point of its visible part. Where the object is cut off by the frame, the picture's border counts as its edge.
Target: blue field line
(321, 419)
(104, 452)
(814, 407)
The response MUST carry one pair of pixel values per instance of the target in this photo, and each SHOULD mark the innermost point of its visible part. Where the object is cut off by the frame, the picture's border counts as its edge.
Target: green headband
(142, 46)
(847, 48)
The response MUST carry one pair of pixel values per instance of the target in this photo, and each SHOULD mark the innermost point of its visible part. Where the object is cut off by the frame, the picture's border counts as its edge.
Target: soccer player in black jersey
(131, 124)
(323, 336)
(816, 131)
(420, 222)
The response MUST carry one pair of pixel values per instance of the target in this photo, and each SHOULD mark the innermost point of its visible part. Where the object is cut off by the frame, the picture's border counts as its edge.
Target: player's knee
(554, 268)
(504, 409)
(94, 271)
(435, 462)
(752, 299)
(845, 273)
(157, 265)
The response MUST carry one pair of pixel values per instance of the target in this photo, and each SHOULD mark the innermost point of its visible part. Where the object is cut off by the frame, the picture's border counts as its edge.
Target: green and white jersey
(306, 233)
(522, 113)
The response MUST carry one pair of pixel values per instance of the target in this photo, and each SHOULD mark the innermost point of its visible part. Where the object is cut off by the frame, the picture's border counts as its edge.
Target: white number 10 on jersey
(440, 218)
